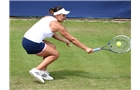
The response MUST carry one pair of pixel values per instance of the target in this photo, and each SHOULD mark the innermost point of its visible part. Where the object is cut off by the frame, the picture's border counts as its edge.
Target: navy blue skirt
(32, 47)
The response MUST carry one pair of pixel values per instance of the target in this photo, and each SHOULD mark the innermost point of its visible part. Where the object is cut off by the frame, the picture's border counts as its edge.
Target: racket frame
(109, 49)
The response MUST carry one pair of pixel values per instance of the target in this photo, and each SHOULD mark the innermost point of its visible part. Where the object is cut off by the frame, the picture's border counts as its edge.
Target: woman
(33, 41)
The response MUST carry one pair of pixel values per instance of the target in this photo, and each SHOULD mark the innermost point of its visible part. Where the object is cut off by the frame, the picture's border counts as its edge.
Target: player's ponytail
(51, 11)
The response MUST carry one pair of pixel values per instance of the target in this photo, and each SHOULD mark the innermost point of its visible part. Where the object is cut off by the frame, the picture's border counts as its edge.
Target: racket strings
(125, 44)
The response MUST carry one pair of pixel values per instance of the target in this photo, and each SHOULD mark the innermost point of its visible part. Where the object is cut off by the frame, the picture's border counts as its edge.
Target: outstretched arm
(57, 27)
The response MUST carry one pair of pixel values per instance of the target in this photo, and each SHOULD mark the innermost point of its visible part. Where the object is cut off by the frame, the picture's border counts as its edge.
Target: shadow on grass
(63, 74)
(70, 73)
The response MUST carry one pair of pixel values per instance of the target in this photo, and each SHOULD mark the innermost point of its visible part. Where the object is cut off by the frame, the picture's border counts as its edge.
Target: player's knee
(56, 55)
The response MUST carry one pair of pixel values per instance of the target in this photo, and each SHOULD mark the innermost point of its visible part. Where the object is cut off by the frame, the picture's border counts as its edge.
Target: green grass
(75, 69)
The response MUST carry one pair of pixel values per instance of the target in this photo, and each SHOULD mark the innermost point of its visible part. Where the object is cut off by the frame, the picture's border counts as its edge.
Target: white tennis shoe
(36, 74)
(45, 75)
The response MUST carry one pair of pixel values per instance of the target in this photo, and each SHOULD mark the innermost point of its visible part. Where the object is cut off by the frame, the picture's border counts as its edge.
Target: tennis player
(34, 41)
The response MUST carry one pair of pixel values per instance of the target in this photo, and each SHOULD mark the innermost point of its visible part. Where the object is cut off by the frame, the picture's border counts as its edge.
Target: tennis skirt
(32, 47)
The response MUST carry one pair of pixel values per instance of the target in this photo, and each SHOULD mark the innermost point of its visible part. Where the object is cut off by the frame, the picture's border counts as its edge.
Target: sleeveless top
(40, 30)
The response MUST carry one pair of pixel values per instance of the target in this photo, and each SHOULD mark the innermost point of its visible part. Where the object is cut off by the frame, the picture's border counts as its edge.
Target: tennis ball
(118, 44)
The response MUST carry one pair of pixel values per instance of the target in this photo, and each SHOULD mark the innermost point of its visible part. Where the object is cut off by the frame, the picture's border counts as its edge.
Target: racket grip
(96, 49)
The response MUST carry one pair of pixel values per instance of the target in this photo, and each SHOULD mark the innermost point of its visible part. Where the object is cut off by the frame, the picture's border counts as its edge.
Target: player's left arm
(58, 37)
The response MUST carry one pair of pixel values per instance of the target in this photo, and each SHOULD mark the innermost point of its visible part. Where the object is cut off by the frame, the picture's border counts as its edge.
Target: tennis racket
(113, 47)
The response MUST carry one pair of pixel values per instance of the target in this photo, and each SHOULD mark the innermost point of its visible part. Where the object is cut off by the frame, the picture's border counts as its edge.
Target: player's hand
(68, 44)
(89, 50)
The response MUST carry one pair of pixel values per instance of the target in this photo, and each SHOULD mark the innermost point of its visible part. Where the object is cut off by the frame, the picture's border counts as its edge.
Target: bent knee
(56, 55)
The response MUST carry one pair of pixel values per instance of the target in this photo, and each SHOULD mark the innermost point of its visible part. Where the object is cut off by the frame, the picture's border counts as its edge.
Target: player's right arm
(57, 27)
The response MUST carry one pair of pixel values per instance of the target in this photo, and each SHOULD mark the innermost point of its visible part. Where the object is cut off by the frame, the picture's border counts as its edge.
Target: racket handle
(96, 49)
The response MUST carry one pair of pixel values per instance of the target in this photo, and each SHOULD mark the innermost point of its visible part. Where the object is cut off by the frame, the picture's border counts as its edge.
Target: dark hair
(55, 9)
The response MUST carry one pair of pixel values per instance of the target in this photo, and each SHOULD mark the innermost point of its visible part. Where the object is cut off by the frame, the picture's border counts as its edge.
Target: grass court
(75, 69)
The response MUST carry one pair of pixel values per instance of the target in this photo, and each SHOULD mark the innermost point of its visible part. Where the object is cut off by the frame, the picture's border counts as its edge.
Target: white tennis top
(40, 30)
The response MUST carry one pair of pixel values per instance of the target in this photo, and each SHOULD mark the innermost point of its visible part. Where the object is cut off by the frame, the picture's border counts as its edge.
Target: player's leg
(51, 45)
(49, 54)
